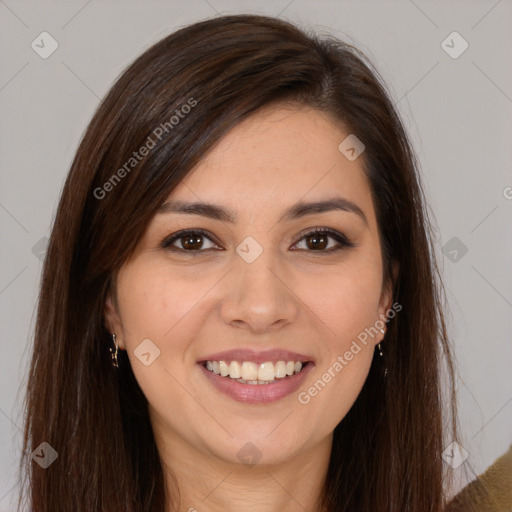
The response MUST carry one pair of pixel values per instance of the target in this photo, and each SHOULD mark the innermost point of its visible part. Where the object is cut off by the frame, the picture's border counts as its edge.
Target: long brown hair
(387, 451)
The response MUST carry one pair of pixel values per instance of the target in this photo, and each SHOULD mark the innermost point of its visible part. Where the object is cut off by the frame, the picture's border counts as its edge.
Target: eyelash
(344, 242)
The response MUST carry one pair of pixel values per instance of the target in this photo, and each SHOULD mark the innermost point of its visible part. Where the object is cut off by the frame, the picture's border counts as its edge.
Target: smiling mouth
(247, 372)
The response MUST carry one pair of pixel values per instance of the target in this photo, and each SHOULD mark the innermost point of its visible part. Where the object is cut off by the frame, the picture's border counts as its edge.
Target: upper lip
(245, 354)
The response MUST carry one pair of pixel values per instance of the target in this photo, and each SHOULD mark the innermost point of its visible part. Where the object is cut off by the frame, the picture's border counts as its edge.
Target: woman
(240, 305)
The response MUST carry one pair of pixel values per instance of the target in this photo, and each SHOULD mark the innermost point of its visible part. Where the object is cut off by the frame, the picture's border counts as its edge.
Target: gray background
(458, 112)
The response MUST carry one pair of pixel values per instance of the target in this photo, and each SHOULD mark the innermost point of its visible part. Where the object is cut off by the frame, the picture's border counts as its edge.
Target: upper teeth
(250, 371)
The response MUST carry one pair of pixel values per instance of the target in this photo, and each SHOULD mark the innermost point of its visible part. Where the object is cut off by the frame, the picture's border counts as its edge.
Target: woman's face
(258, 283)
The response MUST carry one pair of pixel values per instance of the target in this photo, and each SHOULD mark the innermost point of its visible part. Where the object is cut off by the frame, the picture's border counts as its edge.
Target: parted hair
(387, 450)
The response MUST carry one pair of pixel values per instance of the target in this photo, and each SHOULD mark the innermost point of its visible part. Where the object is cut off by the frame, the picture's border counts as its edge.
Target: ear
(113, 321)
(386, 299)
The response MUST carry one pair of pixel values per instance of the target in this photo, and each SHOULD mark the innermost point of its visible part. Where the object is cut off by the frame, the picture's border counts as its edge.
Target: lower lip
(258, 393)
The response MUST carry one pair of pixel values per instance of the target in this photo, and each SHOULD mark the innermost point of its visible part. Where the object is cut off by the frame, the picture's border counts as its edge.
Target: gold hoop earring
(114, 354)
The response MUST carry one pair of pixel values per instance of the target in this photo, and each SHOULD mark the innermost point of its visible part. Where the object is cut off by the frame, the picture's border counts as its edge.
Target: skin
(305, 300)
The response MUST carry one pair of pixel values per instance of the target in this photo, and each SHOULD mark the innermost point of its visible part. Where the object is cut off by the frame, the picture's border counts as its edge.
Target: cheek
(154, 301)
(348, 307)
(168, 308)
(346, 299)
(159, 306)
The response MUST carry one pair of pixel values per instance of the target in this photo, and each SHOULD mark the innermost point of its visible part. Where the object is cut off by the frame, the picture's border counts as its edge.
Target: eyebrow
(296, 211)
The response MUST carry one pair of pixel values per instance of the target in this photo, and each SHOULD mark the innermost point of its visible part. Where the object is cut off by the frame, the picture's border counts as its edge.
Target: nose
(259, 297)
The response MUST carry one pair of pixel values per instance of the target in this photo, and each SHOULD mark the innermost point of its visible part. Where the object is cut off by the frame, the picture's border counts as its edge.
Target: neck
(205, 482)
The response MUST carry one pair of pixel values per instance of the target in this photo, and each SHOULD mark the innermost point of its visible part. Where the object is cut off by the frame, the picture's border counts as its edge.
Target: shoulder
(489, 492)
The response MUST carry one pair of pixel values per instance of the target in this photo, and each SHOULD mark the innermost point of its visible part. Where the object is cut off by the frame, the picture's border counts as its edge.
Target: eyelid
(343, 241)
(166, 242)
(340, 237)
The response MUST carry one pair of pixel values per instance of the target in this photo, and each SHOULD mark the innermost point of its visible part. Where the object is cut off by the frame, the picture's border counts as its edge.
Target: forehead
(276, 157)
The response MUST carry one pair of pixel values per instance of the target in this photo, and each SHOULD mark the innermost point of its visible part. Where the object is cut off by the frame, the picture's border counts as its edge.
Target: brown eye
(193, 242)
(318, 240)
(190, 241)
